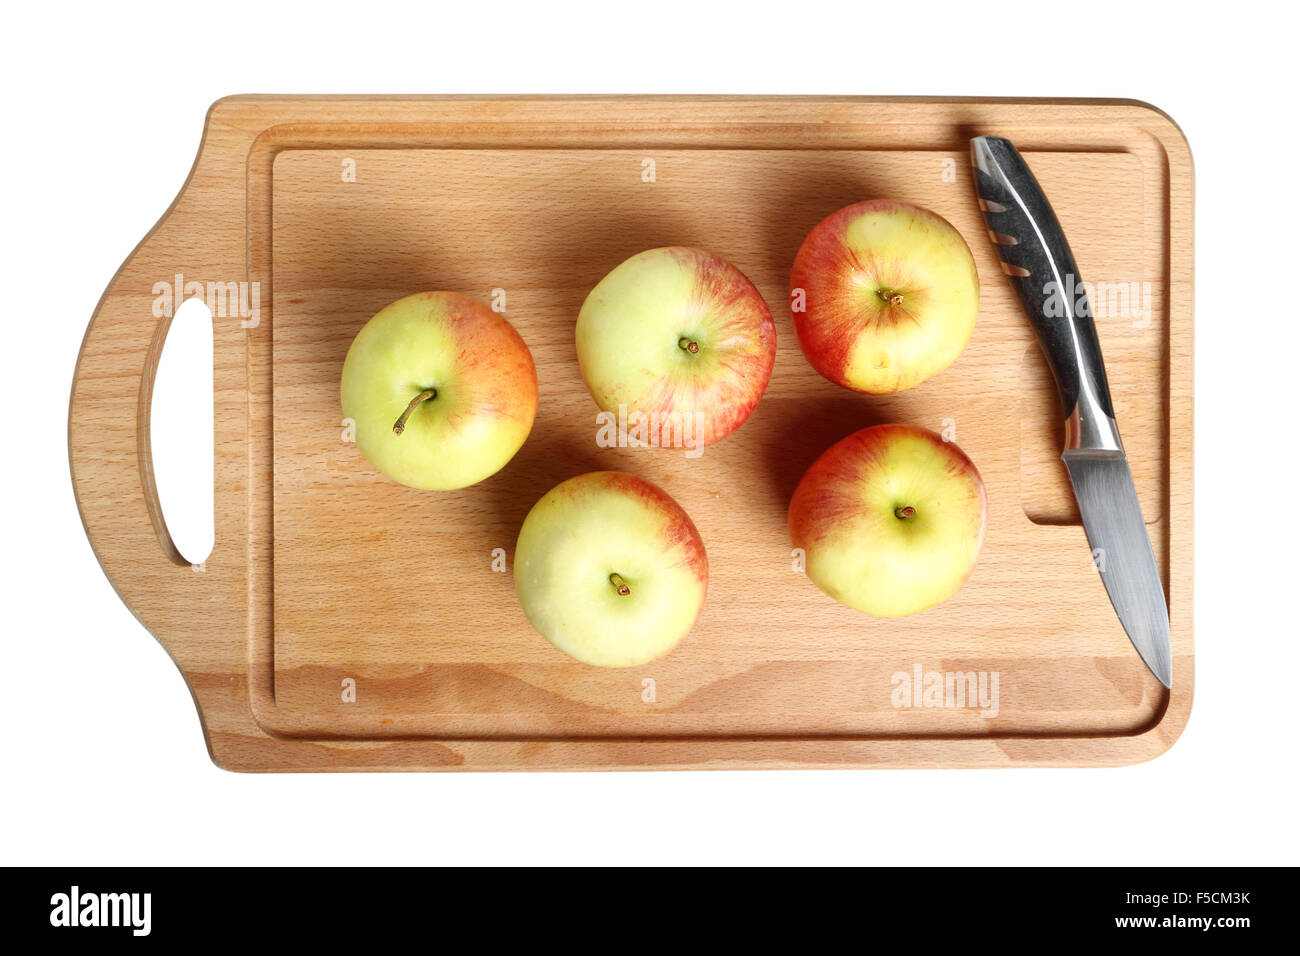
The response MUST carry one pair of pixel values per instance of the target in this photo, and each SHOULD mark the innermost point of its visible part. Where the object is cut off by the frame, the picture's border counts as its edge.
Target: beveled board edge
(215, 620)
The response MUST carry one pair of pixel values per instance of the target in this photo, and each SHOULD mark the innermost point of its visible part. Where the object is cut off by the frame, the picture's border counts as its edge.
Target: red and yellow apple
(890, 520)
(442, 389)
(610, 569)
(884, 295)
(680, 339)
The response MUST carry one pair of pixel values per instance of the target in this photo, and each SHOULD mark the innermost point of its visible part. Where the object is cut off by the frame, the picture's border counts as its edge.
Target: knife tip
(1158, 656)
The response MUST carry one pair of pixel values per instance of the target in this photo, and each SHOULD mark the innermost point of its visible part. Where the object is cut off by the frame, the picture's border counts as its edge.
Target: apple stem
(890, 297)
(907, 511)
(689, 345)
(620, 585)
(400, 425)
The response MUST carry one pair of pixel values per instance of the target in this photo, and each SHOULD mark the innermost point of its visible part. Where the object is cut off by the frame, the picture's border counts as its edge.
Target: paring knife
(1037, 258)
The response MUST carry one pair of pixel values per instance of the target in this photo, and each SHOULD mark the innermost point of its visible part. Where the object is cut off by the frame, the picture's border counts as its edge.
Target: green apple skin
(486, 390)
(677, 331)
(890, 296)
(861, 545)
(600, 524)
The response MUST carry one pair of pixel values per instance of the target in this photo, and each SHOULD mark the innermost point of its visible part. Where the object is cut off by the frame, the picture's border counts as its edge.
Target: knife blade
(1036, 257)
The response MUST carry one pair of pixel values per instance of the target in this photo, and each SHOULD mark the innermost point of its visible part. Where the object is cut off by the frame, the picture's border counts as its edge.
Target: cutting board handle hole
(176, 450)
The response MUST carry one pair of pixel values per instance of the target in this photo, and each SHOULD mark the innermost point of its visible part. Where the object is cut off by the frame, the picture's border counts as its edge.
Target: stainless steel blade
(1112, 517)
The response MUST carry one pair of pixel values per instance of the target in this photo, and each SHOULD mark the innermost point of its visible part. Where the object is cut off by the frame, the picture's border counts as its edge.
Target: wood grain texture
(539, 197)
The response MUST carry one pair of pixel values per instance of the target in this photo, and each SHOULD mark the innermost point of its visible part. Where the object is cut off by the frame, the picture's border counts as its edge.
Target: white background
(103, 760)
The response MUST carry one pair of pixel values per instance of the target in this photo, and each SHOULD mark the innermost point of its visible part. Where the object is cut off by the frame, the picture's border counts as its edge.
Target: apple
(889, 296)
(610, 569)
(442, 390)
(679, 342)
(890, 520)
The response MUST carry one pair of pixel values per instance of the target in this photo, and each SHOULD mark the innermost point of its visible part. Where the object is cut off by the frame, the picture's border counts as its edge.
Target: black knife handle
(1037, 258)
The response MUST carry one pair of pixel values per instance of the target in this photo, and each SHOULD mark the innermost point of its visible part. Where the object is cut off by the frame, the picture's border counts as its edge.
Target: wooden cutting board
(344, 622)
